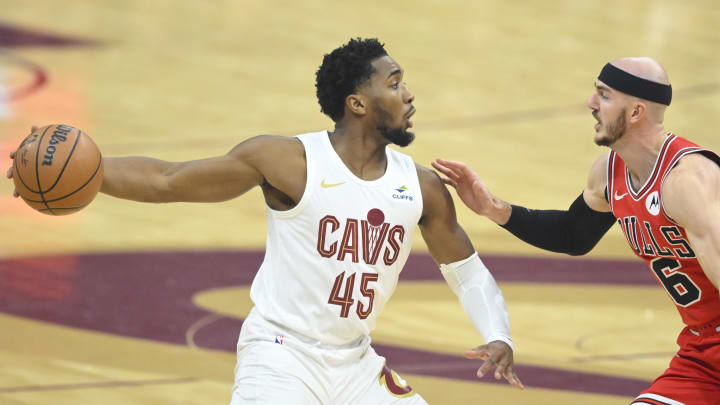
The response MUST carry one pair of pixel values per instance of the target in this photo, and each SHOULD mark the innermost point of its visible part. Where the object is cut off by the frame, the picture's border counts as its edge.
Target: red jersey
(659, 240)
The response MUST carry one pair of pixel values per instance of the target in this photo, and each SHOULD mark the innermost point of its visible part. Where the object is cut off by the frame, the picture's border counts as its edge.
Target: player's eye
(395, 85)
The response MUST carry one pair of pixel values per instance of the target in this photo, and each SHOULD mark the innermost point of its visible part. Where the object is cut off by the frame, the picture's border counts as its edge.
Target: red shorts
(693, 377)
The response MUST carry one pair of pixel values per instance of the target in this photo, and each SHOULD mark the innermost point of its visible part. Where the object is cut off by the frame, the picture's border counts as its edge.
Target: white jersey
(333, 261)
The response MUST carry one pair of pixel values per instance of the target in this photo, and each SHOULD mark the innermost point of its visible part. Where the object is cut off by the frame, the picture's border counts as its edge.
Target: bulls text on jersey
(643, 238)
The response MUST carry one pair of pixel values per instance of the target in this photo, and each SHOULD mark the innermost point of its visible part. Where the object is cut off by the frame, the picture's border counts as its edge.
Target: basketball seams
(77, 189)
(37, 172)
(63, 194)
(79, 207)
(17, 171)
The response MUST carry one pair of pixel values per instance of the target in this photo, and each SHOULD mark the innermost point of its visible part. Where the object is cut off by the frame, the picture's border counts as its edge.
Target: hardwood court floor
(500, 85)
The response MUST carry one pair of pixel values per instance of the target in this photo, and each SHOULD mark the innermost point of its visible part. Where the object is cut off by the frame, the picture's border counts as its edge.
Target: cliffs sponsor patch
(401, 194)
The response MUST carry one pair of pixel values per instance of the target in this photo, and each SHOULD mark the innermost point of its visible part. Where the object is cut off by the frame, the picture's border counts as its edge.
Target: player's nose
(592, 102)
(409, 96)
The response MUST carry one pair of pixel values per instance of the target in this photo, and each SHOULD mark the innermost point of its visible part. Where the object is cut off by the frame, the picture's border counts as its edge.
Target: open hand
(498, 355)
(467, 183)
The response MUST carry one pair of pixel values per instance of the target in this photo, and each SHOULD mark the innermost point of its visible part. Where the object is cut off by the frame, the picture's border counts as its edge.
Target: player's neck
(639, 151)
(363, 155)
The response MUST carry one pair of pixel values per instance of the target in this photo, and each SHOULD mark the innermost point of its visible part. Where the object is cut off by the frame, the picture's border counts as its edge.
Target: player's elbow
(579, 252)
(581, 247)
(166, 187)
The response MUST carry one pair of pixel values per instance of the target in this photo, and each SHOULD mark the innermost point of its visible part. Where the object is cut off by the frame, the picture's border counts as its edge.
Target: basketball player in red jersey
(341, 207)
(664, 191)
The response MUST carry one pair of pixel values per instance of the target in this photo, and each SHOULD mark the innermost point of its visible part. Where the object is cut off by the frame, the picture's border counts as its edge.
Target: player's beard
(398, 136)
(614, 131)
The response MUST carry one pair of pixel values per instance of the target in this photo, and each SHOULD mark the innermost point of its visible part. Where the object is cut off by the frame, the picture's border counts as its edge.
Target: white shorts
(276, 368)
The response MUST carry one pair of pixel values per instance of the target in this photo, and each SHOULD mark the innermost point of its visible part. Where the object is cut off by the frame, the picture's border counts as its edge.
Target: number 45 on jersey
(345, 301)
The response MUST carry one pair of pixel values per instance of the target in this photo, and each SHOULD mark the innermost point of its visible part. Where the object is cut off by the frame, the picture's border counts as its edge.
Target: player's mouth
(408, 115)
(599, 123)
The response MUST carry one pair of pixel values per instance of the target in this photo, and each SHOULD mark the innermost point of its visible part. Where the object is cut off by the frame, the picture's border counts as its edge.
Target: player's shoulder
(273, 141)
(693, 168)
(428, 178)
(698, 161)
(597, 178)
(597, 184)
(599, 166)
(277, 146)
(690, 189)
(434, 193)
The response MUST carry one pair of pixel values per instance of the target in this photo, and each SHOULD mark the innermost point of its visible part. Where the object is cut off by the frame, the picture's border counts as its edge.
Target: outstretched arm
(472, 191)
(691, 196)
(574, 231)
(468, 277)
(206, 180)
(262, 159)
(152, 180)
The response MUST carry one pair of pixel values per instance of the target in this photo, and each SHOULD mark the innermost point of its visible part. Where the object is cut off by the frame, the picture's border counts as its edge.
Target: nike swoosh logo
(326, 185)
(619, 197)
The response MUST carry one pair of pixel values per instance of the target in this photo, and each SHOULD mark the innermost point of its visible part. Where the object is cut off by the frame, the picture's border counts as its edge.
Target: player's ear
(356, 104)
(638, 112)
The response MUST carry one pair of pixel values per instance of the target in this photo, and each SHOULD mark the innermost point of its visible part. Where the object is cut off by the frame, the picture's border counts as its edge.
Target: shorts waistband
(272, 330)
(361, 341)
(709, 329)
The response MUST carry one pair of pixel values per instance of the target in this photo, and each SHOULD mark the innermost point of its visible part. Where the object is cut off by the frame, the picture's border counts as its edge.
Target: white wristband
(480, 297)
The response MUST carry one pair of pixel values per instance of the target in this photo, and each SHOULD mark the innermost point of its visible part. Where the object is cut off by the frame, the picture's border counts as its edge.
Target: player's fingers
(15, 193)
(448, 182)
(486, 366)
(12, 154)
(451, 163)
(460, 168)
(445, 170)
(513, 379)
(480, 352)
(502, 367)
(9, 173)
(34, 128)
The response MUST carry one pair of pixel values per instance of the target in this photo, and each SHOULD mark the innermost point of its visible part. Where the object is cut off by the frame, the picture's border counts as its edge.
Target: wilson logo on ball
(58, 135)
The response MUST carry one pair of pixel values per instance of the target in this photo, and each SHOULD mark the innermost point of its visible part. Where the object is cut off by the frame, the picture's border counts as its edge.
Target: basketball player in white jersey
(341, 208)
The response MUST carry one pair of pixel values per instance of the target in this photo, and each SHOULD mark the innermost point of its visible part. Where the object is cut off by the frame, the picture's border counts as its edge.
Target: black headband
(623, 81)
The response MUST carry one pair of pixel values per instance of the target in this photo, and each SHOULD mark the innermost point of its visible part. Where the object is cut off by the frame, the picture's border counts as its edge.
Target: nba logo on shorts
(279, 339)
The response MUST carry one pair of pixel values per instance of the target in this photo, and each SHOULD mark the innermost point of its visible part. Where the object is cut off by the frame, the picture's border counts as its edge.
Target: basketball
(58, 170)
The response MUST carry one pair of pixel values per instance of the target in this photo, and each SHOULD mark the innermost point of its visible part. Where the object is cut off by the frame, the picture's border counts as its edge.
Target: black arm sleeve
(575, 231)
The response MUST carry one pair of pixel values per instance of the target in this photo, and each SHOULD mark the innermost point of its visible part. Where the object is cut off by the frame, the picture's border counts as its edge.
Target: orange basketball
(58, 170)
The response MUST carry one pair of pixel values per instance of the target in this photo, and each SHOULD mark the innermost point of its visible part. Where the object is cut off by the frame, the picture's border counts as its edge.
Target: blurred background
(126, 302)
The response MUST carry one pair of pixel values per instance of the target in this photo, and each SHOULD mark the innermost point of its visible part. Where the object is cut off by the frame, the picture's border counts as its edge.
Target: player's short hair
(342, 71)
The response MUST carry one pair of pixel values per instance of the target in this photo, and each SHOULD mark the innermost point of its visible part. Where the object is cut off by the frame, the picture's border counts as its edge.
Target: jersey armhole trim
(671, 166)
(412, 170)
(610, 179)
(309, 181)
